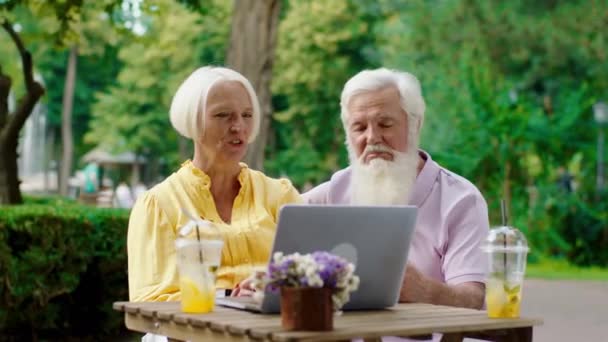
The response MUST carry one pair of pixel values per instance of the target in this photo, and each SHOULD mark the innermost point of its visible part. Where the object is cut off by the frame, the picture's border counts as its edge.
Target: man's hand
(418, 288)
(415, 286)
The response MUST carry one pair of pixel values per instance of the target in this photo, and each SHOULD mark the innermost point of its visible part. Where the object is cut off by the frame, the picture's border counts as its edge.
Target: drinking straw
(503, 211)
(200, 247)
(198, 234)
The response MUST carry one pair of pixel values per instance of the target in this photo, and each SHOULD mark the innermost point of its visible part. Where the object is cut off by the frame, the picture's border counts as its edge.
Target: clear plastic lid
(199, 229)
(505, 239)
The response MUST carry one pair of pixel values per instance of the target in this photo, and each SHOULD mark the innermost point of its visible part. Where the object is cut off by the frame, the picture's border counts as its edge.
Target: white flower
(277, 256)
(315, 281)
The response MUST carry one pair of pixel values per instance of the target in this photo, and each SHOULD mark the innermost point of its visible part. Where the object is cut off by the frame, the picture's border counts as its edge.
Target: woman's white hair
(187, 111)
(407, 84)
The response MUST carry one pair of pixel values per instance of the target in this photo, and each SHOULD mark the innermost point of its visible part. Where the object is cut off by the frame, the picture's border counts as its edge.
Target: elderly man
(382, 114)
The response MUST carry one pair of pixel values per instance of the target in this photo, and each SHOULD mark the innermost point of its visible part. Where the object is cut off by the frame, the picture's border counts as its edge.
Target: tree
(66, 122)
(92, 34)
(509, 88)
(133, 114)
(251, 52)
(320, 47)
(58, 19)
(11, 123)
(497, 82)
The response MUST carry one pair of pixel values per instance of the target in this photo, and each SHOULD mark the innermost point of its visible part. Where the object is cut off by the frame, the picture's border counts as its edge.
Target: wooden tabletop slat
(401, 320)
(394, 328)
(266, 332)
(197, 323)
(243, 327)
(184, 318)
(152, 310)
(119, 306)
(166, 315)
(132, 309)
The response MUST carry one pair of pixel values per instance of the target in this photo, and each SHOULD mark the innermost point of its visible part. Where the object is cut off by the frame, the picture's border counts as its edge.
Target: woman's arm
(151, 253)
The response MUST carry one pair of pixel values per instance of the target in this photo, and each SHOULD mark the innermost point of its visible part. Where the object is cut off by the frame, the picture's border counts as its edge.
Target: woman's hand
(244, 288)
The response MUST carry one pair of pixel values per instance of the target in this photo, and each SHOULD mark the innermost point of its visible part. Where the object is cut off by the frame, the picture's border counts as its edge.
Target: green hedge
(61, 267)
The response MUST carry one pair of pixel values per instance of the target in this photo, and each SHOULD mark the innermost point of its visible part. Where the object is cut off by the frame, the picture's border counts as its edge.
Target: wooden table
(226, 324)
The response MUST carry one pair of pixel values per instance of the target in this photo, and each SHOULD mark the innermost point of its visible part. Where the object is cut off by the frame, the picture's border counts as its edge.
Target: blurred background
(516, 96)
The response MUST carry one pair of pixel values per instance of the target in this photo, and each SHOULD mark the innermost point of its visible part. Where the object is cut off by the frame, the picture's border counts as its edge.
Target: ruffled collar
(203, 181)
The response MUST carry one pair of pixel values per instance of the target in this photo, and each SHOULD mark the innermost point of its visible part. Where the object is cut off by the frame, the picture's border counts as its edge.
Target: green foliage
(319, 48)
(509, 88)
(48, 200)
(133, 113)
(584, 224)
(62, 266)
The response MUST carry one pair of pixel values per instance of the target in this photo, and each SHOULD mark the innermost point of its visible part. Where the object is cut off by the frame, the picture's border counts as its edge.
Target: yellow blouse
(157, 215)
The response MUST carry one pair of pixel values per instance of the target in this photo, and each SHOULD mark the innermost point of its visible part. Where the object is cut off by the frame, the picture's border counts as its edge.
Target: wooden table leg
(518, 335)
(452, 337)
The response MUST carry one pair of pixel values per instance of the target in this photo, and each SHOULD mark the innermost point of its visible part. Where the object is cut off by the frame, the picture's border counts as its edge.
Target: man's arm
(464, 265)
(421, 289)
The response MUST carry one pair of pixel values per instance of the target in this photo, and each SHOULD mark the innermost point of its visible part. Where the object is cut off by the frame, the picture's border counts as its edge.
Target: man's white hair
(187, 112)
(407, 84)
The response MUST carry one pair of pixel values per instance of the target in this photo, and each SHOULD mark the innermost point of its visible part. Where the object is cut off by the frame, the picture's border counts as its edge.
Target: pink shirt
(451, 224)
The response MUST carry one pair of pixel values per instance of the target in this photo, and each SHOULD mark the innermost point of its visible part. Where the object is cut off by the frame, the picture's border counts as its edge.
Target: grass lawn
(561, 269)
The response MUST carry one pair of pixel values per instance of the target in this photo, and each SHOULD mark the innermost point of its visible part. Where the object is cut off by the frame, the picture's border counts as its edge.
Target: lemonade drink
(502, 299)
(507, 250)
(197, 264)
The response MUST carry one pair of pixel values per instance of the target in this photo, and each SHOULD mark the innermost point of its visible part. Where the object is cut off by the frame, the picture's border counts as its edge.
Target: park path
(573, 311)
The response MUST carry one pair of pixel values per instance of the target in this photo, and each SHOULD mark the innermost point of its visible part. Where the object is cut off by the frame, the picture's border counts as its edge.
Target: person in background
(91, 178)
(123, 198)
(218, 109)
(139, 189)
(382, 114)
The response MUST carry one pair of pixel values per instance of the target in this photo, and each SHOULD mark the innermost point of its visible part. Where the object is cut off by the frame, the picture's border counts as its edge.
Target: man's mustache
(375, 148)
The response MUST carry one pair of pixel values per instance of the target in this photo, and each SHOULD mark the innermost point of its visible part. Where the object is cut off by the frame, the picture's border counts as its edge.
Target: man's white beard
(383, 182)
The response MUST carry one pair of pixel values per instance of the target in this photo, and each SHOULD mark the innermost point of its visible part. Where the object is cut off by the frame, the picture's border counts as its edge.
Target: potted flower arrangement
(312, 287)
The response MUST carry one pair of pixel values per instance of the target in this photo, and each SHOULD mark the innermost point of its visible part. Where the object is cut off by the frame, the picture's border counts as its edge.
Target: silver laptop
(375, 238)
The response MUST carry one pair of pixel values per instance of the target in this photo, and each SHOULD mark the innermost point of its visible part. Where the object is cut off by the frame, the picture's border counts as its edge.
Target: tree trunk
(9, 140)
(251, 52)
(66, 122)
(9, 174)
(10, 125)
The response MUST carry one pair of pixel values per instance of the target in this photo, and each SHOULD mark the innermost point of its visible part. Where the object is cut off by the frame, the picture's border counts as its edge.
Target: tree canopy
(509, 87)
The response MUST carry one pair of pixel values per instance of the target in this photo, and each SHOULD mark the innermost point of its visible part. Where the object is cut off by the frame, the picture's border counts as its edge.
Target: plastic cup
(507, 251)
(197, 263)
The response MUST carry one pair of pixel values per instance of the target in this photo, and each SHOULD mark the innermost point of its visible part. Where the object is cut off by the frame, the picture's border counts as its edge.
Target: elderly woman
(218, 109)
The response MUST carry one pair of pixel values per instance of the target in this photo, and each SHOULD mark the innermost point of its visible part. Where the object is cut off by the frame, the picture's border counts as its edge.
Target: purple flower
(318, 269)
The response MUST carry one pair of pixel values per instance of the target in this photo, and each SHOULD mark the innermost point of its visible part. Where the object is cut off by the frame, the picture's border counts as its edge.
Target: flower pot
(306, 308)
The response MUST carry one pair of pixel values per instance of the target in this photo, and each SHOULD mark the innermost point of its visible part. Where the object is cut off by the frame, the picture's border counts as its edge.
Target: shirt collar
(425, 180)
(201, 180)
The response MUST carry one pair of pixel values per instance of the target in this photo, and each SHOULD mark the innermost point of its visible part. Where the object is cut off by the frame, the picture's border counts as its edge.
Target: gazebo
(106, 159)
(103, 157)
